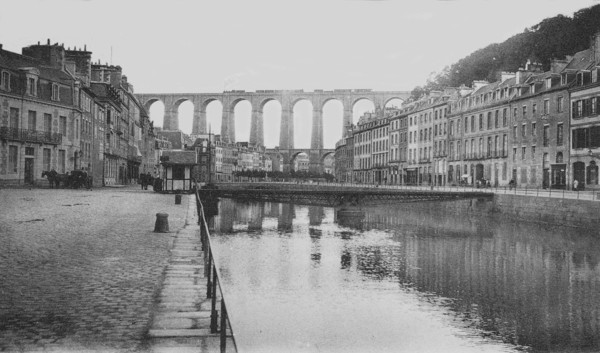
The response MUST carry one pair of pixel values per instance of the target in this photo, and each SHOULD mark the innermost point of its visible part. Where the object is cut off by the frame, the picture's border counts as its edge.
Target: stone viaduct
(258, 99)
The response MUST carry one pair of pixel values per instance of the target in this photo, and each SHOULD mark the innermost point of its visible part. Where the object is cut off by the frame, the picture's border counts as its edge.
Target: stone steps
(181, 322)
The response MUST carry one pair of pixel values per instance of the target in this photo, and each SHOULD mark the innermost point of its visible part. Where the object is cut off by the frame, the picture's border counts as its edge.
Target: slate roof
(581, 61)
(14, 61)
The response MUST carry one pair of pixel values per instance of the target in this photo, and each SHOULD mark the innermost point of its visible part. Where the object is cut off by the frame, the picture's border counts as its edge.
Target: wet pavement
(80, 270)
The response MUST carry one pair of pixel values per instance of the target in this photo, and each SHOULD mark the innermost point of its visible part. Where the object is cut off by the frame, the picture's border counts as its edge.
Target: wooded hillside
(553, 38)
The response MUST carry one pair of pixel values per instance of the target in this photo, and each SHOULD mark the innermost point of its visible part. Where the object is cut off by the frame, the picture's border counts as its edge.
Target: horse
(52, 178)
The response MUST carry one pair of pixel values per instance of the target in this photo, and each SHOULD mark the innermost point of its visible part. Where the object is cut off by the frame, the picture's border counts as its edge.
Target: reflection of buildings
(527, 284)
(533, 287)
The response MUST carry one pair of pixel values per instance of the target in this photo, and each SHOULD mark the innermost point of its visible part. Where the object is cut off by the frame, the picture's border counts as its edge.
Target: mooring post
(162, 223)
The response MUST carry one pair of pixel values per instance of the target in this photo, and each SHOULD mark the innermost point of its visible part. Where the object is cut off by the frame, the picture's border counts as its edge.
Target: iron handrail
(213, 275)
(564, 193)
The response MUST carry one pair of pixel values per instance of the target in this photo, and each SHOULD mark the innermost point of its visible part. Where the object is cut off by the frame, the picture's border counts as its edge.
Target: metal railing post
(214, 315)
(208, 274)
(223, 327)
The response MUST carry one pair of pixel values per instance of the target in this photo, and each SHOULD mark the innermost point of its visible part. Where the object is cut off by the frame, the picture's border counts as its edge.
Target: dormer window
(595, 75)
(579, 79)
(532, 88)
(55, 92)
(5, 81)
(548, 83)
(32, 86)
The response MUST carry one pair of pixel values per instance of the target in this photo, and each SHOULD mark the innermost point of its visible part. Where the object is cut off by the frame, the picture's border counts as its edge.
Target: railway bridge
(287, 98)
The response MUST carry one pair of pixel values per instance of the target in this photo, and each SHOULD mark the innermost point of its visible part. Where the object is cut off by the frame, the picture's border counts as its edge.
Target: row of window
(455, 172)
(585, 107)
(427, 117)
(588, 137)
(32, 124)
(469, 149)
(545, 136)
(32, 85)
(376, 133)
(13, 159)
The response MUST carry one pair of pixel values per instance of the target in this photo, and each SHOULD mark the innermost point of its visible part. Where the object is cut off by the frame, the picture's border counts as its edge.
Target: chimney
(596, 47)
(520, 76)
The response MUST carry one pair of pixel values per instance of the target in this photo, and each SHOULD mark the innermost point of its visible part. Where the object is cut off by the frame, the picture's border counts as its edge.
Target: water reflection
(411, 277)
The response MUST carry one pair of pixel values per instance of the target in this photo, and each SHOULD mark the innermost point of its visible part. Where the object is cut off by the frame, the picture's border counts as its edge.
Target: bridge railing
(590, 195)
(214, 288)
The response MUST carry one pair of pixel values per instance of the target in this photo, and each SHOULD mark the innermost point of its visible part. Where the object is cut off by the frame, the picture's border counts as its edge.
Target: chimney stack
(596, 47)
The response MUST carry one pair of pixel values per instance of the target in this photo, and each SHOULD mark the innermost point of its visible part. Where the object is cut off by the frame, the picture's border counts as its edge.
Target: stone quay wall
(552, 211)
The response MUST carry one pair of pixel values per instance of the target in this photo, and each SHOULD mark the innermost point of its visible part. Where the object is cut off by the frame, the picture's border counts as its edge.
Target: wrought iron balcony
(25, 135)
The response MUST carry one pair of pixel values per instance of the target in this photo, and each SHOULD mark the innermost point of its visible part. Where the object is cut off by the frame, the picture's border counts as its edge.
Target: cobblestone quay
(79, 270)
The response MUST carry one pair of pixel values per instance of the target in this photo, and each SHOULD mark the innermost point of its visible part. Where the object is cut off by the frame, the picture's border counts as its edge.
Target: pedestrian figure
(575, 184)
(148, 180)
(144, 181)
(511, 184)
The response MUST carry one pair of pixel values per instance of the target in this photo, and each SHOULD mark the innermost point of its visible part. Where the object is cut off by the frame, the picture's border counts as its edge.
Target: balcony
(34, 136)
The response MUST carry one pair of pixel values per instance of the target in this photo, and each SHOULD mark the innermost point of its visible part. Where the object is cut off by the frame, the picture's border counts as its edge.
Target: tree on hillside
(552, 38)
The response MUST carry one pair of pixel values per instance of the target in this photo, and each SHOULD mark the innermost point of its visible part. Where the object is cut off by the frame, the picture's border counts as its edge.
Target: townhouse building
(398, 146)
(128, 146)
(540, 141)
(39, 115)
(584, 71)
(478, 139)
(412, 167)
(425, 121)
(439, 102)
(341, 161)
(371, 148)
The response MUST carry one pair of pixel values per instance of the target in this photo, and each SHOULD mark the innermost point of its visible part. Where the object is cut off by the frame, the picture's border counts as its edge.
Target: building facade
(39, 116)
(584, 70)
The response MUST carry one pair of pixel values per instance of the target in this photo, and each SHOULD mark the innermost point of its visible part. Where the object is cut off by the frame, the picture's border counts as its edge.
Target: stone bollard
(162, 223)
(178, 199)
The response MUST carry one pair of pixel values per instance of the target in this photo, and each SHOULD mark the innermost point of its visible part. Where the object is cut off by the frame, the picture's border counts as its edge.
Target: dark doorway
(479, 171)
(558, 176)
(579, 174)
(29, 170)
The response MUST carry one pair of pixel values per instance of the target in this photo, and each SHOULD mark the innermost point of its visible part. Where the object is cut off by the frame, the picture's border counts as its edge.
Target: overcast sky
(209, 46)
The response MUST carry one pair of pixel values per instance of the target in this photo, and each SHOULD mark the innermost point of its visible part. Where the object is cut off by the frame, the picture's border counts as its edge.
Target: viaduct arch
(286, 156)
(258, 99)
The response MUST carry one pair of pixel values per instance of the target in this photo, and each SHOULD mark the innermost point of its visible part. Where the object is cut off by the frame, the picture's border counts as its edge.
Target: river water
(413, 277)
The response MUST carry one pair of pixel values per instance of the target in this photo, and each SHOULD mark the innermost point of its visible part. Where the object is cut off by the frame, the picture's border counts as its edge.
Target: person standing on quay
(575, 184)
